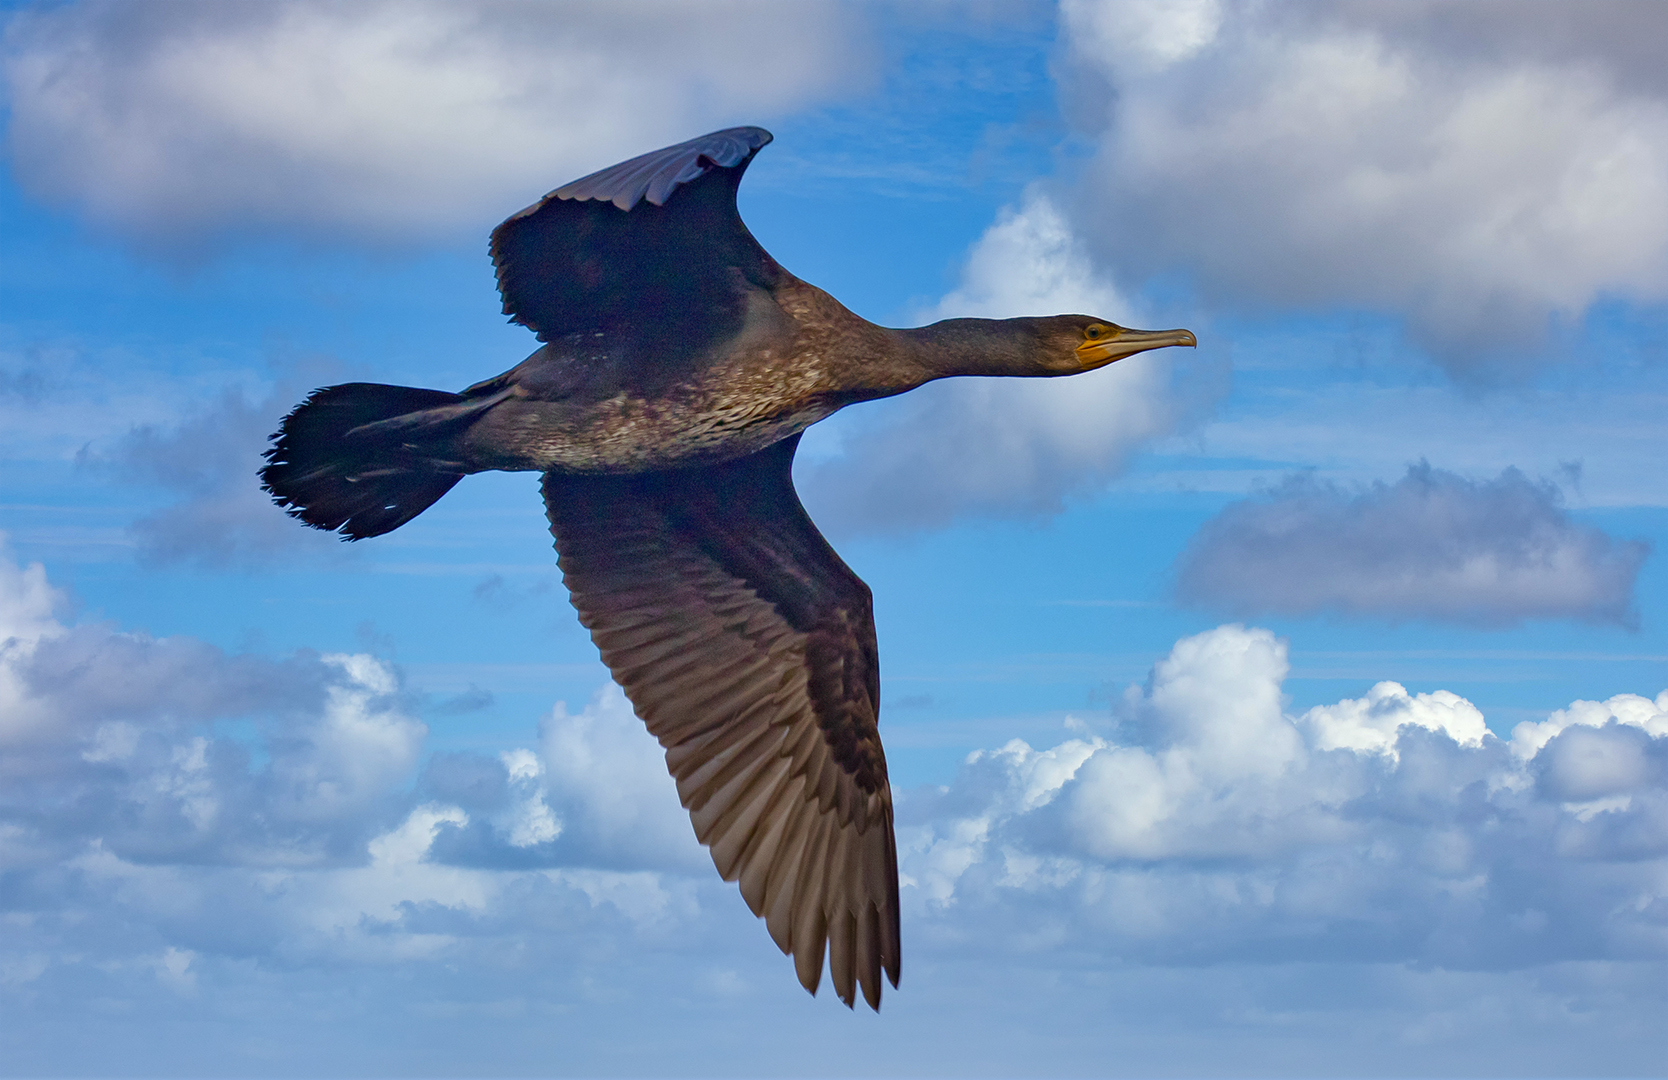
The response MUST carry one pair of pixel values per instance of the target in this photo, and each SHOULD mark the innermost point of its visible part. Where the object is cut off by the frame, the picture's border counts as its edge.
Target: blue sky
(1294, 707)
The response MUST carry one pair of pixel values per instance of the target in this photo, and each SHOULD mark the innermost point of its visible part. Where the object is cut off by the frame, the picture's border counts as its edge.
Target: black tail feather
(366, 484)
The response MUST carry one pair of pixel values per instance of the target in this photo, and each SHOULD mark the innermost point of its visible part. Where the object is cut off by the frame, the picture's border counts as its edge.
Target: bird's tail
(363, 458)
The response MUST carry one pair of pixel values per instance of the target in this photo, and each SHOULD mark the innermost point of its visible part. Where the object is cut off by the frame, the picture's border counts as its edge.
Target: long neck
(973, 347)
(859, 360)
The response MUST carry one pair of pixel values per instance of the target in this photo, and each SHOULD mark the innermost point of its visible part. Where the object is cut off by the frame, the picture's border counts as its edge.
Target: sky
(1292, 706)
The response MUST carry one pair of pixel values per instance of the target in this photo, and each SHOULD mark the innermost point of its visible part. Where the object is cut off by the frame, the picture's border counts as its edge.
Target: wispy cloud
(210, 461)
(1432, 545)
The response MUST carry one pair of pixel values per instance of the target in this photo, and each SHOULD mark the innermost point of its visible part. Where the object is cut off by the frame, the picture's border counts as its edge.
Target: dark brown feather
(748, 648)
(603, 255)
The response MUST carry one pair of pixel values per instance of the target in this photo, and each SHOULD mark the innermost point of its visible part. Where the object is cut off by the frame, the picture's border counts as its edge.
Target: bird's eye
(1096, 331)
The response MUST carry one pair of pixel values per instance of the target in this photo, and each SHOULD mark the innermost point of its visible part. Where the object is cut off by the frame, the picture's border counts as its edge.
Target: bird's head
(1074, 343)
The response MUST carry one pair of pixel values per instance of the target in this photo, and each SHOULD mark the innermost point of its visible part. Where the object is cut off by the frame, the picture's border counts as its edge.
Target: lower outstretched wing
(748, 648)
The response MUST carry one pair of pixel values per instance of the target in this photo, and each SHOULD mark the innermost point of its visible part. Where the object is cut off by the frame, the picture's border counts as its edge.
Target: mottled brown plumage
(679, 365)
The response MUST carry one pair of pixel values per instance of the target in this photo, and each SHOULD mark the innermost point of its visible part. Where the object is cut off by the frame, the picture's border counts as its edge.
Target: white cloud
(1530, 737)
(1211, 823)
(1142, 35)
(1029, 263)
(362, 744)
(246, 807)
(270, 877)
(1373, 723)
(173, 123)
(1598, 770)
(607, 777)
(530, 820)
(990, 447)
(1479, 183)
(27, 603)
(411, 841)
(1216, 764)
(1431, 546)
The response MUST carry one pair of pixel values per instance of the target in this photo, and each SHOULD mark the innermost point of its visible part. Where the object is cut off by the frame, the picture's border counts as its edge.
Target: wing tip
(583, 189)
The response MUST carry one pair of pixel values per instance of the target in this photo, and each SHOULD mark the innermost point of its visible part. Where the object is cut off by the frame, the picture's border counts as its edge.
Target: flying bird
(678, 366)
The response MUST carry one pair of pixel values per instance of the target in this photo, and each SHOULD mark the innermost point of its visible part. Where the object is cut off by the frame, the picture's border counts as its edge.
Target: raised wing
(655, 174)
(650, 252)
(748, 648)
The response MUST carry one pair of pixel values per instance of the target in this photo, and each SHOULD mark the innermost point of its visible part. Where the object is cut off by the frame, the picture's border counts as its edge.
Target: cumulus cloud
(1479, 172)
(594, 793)
(176, 122)
(1530, 737)
(1373, 722)
(1433, 545)
(1005, 447)
(185, 777)
(245, 835)
(1212, 824)
(110, 739)
(609, 777)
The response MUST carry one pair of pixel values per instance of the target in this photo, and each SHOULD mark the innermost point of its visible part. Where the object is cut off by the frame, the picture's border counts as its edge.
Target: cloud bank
(1432, 546)
(1211, 825)
(1484, 172)
(980, 447)
(187, 834)
(175, 123)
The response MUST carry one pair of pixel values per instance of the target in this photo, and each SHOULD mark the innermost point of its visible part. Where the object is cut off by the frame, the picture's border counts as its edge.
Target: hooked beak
(1122, 343)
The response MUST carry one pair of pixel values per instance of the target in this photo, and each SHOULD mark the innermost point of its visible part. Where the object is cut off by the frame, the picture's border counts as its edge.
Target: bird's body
(680, 364)
(578, 407)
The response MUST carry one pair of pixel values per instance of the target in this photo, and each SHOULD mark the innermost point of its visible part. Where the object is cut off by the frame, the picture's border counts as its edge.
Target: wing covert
(747, 647)
(651, 250)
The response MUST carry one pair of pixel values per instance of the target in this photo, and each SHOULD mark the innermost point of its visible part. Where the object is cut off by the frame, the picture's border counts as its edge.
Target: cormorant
(679, 365)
